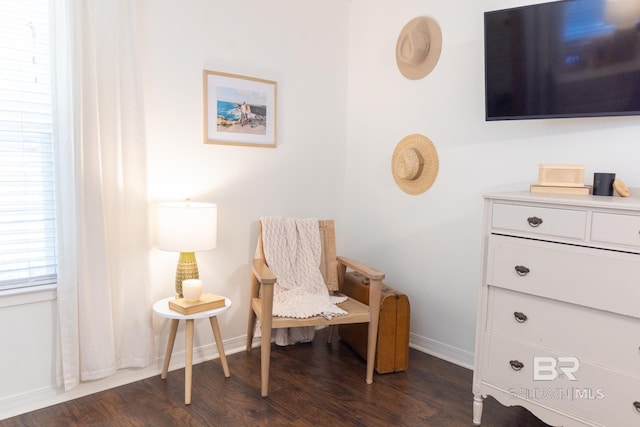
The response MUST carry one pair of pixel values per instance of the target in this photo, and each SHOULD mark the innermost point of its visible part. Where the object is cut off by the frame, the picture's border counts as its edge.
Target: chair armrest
(262, 272)
(365, 270)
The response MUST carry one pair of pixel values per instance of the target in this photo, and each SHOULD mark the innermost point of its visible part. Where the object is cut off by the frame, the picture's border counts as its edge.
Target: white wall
(429, 245)
(284, 41)
(343, 106)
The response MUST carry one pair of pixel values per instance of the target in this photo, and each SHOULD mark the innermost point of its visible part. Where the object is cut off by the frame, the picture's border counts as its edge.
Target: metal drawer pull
(636, 405)
(517, 365)
(520, 317)
(522, 270)
(534, 221)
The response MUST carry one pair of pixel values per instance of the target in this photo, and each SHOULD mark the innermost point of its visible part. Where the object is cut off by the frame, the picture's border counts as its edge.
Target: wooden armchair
(333, 269)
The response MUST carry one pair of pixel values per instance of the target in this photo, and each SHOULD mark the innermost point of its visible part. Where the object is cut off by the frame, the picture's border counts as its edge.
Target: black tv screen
(573, 58)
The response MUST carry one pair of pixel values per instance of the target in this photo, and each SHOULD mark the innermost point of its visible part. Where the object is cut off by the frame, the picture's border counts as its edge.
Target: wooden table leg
(188, 361)
(218, 337)
(170, 342)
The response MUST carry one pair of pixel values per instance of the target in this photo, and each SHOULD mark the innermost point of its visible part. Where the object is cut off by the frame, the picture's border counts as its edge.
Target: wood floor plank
(311, 385)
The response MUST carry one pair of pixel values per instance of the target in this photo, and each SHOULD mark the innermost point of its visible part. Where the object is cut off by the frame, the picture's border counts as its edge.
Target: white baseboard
(442, 351)
(37, 399)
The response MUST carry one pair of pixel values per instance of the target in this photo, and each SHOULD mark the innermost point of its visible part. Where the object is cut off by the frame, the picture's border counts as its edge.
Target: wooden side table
(161, 308)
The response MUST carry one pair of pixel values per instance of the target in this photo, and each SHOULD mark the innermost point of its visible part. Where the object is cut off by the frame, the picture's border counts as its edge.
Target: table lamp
(187, 227)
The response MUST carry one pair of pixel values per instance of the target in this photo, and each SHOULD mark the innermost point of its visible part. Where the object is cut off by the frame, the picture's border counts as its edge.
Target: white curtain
(104, 304)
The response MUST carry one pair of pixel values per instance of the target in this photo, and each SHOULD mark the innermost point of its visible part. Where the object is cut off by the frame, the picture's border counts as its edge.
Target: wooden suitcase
(392, 350)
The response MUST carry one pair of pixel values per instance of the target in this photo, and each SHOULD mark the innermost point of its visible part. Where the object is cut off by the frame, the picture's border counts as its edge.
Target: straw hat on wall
(414, 164)
(418, 47)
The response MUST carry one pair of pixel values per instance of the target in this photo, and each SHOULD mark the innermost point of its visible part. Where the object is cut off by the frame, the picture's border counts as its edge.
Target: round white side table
(161, 308)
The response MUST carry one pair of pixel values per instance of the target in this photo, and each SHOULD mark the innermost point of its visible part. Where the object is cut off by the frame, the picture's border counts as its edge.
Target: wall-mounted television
(571, 58)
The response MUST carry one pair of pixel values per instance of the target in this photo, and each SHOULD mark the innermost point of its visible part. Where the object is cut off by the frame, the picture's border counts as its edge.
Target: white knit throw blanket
(292, 250)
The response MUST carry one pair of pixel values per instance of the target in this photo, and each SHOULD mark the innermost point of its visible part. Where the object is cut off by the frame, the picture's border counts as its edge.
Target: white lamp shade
(187, 226)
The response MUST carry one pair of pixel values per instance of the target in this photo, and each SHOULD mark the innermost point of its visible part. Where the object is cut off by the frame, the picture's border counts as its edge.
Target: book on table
(556, 189)
(206, 302)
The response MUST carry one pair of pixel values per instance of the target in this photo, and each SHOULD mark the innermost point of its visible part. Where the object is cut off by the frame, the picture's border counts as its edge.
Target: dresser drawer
(598, 394)
(616, 229)
(541, 221)
(566, 328)
(602, 279)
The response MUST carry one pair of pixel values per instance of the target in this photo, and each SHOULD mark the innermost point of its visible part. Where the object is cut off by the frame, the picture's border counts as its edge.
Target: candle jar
(192, 289)
(603, 184)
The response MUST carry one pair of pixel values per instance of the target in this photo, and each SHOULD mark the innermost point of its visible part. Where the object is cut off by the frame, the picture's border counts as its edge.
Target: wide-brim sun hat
(418, 47)
(414, 164)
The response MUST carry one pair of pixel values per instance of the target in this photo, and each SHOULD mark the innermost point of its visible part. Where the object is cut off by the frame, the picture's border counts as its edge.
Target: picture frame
(239, 110)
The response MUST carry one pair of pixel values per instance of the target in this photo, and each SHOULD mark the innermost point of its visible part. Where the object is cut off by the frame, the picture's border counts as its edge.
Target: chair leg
(250, 328)
(266, 323)
(255, 290)
(330, 334)
(371, 355)
(265, 359)
(375, 287)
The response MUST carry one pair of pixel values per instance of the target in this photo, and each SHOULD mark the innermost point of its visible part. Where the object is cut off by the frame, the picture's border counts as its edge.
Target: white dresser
(558, 327)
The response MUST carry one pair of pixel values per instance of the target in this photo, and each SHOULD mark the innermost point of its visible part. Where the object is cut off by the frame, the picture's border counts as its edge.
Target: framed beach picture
(239, 110)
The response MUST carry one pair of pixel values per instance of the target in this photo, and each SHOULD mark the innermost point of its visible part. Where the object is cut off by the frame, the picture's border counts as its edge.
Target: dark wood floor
(312, 385)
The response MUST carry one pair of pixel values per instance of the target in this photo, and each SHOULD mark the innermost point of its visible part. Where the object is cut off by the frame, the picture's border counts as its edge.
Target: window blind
(27, 188)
